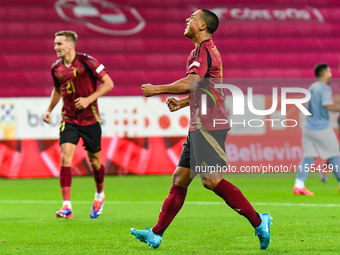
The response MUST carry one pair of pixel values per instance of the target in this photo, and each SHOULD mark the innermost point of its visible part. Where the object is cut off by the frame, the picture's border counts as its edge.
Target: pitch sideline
(160, 202)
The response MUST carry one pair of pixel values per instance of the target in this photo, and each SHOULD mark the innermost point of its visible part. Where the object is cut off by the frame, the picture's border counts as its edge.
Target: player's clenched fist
(173, 104)
(47, 117)
(148, 90)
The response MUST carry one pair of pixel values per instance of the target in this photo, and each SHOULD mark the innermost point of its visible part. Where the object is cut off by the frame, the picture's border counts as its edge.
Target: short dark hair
(71, 36)
(210, 19)
(319, 69)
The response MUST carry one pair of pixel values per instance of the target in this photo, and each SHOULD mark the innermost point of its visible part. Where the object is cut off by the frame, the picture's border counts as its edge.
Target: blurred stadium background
(140, 42)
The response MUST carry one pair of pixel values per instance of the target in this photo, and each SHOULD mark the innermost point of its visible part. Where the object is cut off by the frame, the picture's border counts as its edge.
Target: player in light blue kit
(318, 137)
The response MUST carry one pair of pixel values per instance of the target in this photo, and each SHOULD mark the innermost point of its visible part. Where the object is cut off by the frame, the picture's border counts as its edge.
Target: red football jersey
(206, 61)
(78, 80)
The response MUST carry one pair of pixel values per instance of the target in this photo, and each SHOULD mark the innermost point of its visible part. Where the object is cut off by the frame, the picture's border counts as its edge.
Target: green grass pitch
(205, 225)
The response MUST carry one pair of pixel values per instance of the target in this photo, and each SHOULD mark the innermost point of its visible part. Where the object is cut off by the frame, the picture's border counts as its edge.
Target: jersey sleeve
(97, 68)
(326, 96)
(55, 80)
(199, 63)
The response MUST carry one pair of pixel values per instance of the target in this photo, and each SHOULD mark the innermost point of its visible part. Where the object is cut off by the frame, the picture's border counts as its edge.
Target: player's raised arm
(55, 97)
(174, 104)
(182, 86)
(105, 87)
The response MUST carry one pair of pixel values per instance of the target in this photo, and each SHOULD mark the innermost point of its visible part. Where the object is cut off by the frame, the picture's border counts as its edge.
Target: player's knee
(95, 163)
(176, 178)
(66, 160)
(180, 180)
(209, 183)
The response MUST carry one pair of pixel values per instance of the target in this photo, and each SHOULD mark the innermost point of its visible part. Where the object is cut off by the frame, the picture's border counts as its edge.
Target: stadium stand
(277, 39)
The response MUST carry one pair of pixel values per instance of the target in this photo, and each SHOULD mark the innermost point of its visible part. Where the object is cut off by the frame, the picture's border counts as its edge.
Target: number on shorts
(62, 126)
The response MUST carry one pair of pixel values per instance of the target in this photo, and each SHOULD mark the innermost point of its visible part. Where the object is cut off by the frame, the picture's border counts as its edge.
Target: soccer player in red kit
(204, 145)
(75, 78)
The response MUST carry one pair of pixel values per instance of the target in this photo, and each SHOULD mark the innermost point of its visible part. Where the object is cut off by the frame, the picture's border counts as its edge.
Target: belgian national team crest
(101, 16)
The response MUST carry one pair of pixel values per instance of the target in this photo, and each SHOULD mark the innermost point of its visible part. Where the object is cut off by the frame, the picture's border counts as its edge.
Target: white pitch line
(160, 202)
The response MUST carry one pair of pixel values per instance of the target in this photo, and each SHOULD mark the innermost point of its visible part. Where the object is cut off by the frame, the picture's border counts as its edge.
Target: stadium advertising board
(139, 135)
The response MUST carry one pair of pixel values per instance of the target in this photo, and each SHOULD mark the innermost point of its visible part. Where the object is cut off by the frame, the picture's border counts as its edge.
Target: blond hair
(71, 36)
